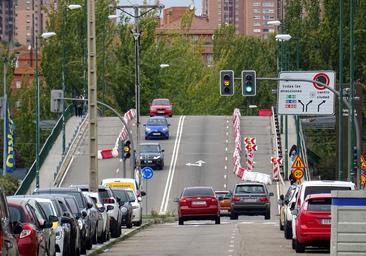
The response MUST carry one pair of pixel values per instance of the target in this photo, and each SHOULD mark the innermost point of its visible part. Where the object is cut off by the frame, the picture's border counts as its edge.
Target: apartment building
(7, 20)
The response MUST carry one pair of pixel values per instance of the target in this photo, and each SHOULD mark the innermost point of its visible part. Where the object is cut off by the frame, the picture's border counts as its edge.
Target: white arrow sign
(198, 163)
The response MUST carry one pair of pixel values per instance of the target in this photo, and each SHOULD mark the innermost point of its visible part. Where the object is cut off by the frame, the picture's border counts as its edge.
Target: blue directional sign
(147, 173)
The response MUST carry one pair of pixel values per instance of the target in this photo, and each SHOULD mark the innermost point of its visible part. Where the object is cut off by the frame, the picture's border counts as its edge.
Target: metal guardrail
(28, 179)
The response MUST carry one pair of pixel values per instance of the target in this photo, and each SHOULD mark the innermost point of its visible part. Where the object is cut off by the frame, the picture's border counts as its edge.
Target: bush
(9, 184)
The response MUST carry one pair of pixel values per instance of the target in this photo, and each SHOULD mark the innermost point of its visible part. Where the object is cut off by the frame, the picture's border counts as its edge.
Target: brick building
(7, 20)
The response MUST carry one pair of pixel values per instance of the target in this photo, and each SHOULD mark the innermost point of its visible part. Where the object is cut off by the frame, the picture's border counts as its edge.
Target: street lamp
(164, 65)
(64, 17)
(45, 35)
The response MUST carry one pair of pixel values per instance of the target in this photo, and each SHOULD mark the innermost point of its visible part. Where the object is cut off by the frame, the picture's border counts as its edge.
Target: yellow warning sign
(298, 163)
(363, 179)
(298, 174)
(363, 163)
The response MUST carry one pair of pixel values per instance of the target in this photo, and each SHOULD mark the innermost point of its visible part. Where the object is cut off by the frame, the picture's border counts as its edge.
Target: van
(316, 187)
(122, 183)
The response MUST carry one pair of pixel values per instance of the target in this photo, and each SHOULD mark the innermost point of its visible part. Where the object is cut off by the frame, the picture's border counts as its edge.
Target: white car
(136, 207)
(316, 187)
(103, 210)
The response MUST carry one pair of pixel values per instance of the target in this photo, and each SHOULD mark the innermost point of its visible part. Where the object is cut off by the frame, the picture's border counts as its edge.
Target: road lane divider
(169, 181)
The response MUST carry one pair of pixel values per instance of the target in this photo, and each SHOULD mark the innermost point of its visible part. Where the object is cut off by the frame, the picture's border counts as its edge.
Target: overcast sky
(169, 3)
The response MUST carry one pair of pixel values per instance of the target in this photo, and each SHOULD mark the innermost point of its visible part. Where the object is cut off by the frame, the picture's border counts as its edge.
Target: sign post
(147, 173)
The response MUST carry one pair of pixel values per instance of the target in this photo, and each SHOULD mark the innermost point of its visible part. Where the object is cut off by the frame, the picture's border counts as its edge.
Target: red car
(34, 239)
(313, 222)
(161, 107)
(198, 203)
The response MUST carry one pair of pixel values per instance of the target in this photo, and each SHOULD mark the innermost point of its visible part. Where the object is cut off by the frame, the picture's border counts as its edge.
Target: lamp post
(164, 65)
(45, 35)
(64, 19)
(282, 38)
(340, 89)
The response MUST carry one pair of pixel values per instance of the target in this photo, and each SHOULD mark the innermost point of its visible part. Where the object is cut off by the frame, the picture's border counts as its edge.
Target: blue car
(157, 127)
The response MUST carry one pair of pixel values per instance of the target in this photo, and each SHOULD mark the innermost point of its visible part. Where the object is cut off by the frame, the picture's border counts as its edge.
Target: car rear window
(72, 205)
(122, 194)
(47, 208)
(319, 205)
(149, 148)
(103, 193)
(131, 195)
(160, 102)
(244, 189)
(156, 121)
(16, 214)
(198, 192)
(310, 190)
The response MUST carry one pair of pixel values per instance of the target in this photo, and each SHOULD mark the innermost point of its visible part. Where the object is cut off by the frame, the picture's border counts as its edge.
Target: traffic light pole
(346, 103)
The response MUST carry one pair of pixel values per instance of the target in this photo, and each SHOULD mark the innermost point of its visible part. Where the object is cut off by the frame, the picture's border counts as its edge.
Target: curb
(119, 239)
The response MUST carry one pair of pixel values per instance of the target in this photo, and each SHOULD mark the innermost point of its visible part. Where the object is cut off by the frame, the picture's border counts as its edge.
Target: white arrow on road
(198, 163)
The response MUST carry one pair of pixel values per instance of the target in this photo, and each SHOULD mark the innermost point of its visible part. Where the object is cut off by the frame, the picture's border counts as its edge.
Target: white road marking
(225, 176)
(224, 185)
(247, 222)
(227, 121)
(227, 127)
(227, 141)
(225, 158)
(232, 241)
(117, 171)
(67, 170)
(227, 133)
(226, 149)
(225, 167)
(169, 181)
(269, 223)
(230, 250)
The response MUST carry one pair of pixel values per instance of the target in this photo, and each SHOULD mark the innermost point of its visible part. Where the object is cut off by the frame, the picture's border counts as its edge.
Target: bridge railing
(43, 153)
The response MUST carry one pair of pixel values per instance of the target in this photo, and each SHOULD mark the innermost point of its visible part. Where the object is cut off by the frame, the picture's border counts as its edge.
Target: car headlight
(148, 129)
(59, 235)
(80, 222)
(165, 129)
(124, 210)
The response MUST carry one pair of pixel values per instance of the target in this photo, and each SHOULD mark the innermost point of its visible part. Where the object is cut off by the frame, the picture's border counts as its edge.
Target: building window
(256, 24)
(266, 30)
(268, 4)
(256, 30)
(256, 11)
(256, 4)
(18, 84)
(268, 11)
(267, 17)
(257, 17)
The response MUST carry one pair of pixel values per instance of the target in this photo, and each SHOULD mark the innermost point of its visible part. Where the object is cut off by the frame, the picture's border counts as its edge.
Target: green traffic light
(249, 88)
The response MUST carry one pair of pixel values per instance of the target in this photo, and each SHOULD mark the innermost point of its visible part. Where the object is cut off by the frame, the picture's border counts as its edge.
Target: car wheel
(180, 221)
(89, 244)
(217, 220)
(139, 223)
(95, 236)
(299, 247)
(267, 216)
(114, 230)
(102, 237)
(293, 244)
(287, 230)
(129, 223)
(233, 216)
(83, 247)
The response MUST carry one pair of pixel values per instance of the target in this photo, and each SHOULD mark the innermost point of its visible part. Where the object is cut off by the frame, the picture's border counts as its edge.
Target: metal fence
(28, 179)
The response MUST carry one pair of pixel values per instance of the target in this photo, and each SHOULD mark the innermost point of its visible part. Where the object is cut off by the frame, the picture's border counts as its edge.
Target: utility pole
(136, 35)
(92, 98)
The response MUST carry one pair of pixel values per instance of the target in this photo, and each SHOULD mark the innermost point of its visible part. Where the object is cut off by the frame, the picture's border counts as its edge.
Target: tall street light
(45, 35)
(64, 20)
(163, 65)
(283, 38)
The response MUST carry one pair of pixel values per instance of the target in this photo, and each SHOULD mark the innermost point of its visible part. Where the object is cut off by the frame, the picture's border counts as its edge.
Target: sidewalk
(49, 166)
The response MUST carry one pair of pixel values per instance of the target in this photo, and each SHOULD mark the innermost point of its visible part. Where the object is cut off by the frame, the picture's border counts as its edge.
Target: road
(198, 153)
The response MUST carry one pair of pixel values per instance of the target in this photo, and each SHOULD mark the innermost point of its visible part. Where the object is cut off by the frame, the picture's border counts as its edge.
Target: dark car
(152, 155)
(37, 237)
(125, 205)
(67, 218)
(250, 198)
(198, 203)
(8, 230)
(97, 220)
(82, 207)
(157, 127)
(161, 107)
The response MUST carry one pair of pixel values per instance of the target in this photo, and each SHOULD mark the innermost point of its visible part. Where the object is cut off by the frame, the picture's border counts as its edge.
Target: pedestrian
(79, 106)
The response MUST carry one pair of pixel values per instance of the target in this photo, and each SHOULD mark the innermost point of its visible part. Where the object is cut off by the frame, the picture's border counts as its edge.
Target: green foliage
(9, 184)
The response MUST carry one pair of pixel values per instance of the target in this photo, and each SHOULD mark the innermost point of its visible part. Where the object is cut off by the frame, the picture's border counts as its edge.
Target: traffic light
(248, 78)
(226, 82)
(126, 149)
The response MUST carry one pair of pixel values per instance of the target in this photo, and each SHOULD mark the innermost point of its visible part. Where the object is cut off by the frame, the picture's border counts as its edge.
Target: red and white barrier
(122, 136)
(276, 161)
(237, 168)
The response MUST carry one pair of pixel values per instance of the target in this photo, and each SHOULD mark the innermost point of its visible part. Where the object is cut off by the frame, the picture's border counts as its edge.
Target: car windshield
(131, 195)
(122, 194)
(16, 214)
(198, 192)
(103, 193)
(323, 189)
(157, 122)
(319, 205)
(151, 148)
(72, 205)
(47, 208)
(249, 189)
(161, 102)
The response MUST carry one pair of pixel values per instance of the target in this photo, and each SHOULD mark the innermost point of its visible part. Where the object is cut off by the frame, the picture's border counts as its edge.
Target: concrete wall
(348, 230)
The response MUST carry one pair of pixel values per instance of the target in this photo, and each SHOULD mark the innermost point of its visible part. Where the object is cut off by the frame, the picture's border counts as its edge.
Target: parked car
(161, 107)
(313, 222)
(110, 200)
(250, 198)
(37, 236)
(152, 155)
(287, 204)
(67, 219)
(157, 127)
(125, 204)
(136, 206)
(8, 229)
(198, 203)
(105, 236)
(124, 183)
(96, 220)
(80, 213)
(224, 198)
(316, 187)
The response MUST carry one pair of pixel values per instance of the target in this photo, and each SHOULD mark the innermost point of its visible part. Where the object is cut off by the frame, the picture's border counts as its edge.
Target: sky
(169, 3)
